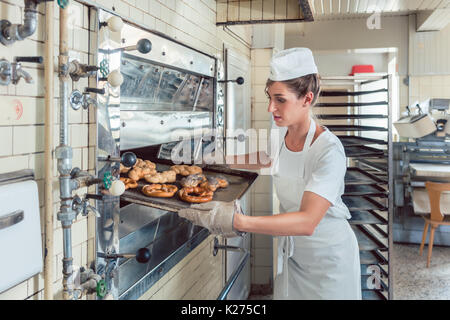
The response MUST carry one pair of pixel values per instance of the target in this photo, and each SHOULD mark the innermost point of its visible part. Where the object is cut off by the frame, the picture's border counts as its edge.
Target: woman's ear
(309, 97)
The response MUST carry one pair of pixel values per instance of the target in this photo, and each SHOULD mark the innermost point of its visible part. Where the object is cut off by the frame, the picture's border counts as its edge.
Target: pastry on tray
(159, 190)
(186, 170)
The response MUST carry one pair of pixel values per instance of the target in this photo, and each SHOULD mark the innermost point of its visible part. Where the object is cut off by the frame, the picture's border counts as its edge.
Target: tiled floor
(413, 280)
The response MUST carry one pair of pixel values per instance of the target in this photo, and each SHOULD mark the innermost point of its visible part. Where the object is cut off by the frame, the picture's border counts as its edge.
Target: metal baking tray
(363, 151)
(378, 164)
(365, 190)
(342, 127)
(356, 176)
(330, 93)
(366, 217)
(352, 104)
(373, 295)
(350, 116)
(355, 203)
(371, 257)
(348, 141)
(367, 241)
(239, 182)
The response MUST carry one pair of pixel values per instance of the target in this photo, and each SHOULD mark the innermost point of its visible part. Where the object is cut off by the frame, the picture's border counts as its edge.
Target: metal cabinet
(358, 110)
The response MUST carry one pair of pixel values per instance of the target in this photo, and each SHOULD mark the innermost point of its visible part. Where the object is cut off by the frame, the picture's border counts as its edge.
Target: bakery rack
(358, 110)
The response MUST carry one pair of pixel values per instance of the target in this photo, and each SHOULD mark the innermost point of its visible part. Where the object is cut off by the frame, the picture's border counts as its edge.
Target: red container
(367, 68)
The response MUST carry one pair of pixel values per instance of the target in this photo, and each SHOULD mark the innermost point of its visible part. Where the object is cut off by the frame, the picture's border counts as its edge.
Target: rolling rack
(358, 110)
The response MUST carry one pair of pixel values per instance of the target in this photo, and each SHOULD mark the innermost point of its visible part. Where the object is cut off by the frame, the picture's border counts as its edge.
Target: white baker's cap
(292, 63)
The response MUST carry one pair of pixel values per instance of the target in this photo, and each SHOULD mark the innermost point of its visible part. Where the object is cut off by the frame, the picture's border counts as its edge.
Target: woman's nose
(271, 107)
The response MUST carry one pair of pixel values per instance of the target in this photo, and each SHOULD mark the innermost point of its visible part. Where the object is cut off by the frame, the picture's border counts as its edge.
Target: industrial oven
(169, 107)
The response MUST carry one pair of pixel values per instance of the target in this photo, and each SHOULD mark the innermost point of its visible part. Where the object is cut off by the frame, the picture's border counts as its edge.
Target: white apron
(324, 265)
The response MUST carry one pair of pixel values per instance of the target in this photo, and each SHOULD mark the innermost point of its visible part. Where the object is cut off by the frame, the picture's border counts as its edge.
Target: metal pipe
(63, 154)
(49, 106)
(11, 33)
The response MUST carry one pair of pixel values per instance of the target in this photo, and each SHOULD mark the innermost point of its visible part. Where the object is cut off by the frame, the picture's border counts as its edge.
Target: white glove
(216, 216)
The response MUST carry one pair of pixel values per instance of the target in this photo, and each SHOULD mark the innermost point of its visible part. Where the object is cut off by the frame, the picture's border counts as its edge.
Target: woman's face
(285, 107)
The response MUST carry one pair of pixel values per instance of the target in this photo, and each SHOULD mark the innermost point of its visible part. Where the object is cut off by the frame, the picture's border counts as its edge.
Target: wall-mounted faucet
(10, 33)
(13, 72)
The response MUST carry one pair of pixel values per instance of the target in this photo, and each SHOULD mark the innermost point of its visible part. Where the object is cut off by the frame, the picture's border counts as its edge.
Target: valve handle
(37, 59)
(128, 159)
(107, 180)
(143, 255)
(95, 90)
(63, 3)
(94, 196)
(101, 288)
(144, 46)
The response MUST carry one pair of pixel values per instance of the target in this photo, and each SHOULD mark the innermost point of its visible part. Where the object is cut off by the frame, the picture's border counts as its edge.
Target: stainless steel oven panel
(145, 128)
(169, 53)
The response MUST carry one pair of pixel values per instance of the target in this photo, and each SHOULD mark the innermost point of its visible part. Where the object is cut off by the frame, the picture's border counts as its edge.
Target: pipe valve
(13, 72)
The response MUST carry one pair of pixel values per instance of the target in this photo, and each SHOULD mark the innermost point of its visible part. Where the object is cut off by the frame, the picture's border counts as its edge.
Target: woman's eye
(280, 100)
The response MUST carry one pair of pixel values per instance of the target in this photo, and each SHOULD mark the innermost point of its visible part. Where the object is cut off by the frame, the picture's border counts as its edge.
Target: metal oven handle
(11, 219)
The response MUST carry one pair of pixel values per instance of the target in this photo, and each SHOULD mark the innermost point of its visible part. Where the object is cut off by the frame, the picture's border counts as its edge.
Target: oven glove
(216, 216)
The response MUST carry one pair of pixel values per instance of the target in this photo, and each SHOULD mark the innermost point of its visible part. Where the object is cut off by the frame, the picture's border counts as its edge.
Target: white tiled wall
(22, 138)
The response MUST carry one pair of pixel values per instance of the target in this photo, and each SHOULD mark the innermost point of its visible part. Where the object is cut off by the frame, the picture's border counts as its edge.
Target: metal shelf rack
(358, 110)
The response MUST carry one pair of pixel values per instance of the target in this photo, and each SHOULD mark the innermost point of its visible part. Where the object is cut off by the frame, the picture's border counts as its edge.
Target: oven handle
(224, 293)
(11, 219)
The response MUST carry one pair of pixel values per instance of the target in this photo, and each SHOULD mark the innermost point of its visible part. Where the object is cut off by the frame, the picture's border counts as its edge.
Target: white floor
(412, 278)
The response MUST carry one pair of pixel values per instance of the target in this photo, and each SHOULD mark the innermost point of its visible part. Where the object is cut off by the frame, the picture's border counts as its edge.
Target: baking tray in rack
(357, 176)
(342, 127)
(350, 116)
(239, 183)
(371, 257)
(366, 217)
(365, 190)
(363, 151)
(355, 203)
(367, 241)
(349, 141)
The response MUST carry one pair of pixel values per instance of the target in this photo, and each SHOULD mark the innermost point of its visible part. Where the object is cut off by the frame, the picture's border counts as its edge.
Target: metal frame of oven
(109, 124)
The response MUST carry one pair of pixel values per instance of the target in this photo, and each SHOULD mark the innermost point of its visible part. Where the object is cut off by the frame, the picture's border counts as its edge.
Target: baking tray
(366, 217)
(371, 257)
(365, 190)
(355, 203)
(356, 176)
(239, 183)
(330, 93)
(366, 241)
(342, 127)
(348, 141)
(363, 151)
(351, 104)
(375, 163)
(350, 116)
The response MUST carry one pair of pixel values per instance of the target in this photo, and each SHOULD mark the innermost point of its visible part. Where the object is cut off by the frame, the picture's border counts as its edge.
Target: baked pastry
(195, 194)
(186, 170)
(193, 180)
(213, 183)
(129, 183)
(124, 169)
(140, 163)
(159, 190)
(138, 173)
(161, 177)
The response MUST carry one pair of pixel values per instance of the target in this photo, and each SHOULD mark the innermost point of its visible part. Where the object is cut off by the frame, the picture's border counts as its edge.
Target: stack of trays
(362, 125)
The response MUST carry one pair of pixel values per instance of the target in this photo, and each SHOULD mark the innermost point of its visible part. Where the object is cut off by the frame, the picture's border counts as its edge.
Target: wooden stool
(436, 218)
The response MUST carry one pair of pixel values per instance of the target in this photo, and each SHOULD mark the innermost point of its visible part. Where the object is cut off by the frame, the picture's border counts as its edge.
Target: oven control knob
(115, 24)
(117, 188)
(128, 159)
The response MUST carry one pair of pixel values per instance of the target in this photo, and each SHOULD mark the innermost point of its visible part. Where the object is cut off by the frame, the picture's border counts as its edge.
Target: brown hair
(302, 85)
